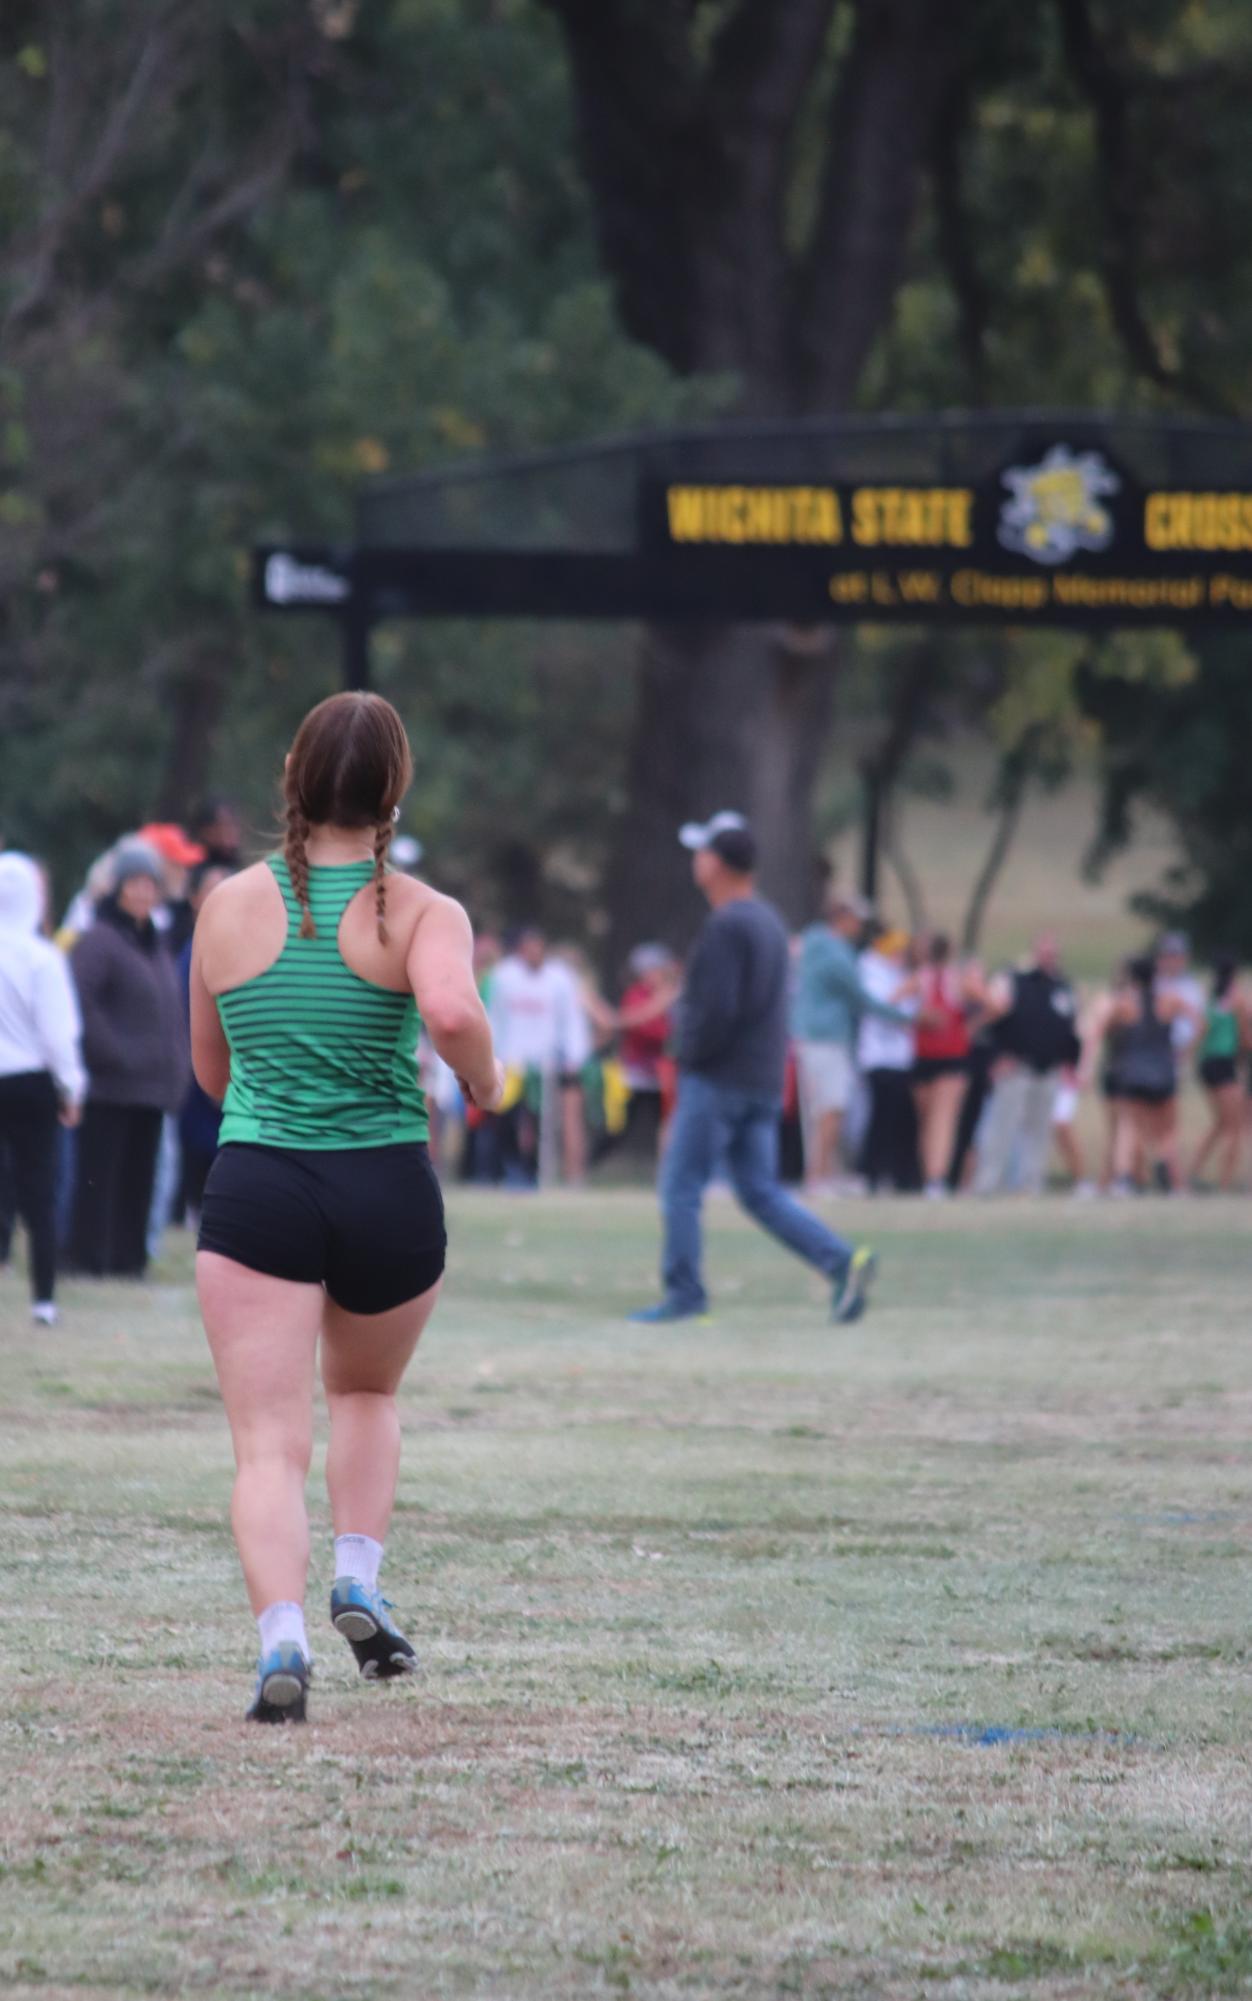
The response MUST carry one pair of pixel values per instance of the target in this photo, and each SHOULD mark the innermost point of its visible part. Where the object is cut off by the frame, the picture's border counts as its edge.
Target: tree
(1177, 743)
(252, 255)
(755, 172)
(895, 205)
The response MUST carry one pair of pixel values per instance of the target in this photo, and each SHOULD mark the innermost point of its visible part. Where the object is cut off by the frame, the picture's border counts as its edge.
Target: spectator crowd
(913, 1069)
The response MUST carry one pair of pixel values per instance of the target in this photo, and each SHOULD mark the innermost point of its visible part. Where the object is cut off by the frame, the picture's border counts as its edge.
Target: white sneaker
(45, 1313)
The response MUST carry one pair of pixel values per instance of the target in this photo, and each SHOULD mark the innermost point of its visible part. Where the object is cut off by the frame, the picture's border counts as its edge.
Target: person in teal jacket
(828, 1003)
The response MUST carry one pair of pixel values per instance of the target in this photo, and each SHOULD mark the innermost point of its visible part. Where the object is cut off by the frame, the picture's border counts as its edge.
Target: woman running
(312, 974)
(1219, 1073)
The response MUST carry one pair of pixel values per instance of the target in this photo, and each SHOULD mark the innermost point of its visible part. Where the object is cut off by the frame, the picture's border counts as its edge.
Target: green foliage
(415, 281)
(1178, 742)
(251, 255)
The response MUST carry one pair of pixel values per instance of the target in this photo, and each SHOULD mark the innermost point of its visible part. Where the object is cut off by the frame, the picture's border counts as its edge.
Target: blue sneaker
(363, 1617)
(852, 1290)
(669, 1309)
(282, 1684)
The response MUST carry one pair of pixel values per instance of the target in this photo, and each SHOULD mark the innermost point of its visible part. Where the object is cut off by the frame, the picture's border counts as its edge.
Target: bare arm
(650, 1010)
(998, 996)
(1096, 1022)
(210, 1051)
(441, 973)
(1174, 1007)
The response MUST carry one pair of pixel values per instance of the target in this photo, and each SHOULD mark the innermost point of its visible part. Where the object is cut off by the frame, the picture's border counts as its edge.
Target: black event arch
(1022, 517)
(1008, 517)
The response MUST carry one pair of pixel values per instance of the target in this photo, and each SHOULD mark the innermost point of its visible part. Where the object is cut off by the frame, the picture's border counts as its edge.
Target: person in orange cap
(178, 855)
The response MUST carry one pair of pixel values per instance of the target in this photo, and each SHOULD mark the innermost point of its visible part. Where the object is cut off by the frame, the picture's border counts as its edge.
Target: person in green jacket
(1221, 1043)
(828, 1003)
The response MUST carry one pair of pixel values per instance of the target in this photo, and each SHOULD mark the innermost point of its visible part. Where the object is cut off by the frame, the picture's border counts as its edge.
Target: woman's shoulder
(235, 892)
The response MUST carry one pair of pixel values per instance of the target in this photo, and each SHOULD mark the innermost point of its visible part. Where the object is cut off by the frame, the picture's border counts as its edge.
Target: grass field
(760, 1659)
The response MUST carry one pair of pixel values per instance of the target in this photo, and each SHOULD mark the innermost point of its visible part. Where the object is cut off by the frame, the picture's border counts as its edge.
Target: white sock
(358, 1556)
(281, 1624)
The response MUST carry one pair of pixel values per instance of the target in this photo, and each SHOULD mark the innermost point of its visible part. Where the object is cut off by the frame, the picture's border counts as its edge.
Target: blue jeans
(716, 1122)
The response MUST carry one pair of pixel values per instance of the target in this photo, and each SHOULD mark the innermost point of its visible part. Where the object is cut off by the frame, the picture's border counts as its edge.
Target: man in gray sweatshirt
(732, 1052)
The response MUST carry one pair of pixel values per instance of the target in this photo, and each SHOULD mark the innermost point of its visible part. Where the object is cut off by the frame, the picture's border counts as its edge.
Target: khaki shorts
(826, 1076)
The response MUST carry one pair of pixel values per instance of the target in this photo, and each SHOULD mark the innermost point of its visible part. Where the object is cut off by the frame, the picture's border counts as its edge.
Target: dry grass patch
(759, 1660)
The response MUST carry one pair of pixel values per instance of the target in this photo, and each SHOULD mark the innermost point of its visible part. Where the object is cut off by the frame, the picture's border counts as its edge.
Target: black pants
(8, 1203)
(977, 1092)
(28, 1139)
(117, 1155)
(890, 1149)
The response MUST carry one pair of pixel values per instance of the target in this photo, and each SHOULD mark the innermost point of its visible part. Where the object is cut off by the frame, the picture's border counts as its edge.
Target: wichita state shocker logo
(1055, 508)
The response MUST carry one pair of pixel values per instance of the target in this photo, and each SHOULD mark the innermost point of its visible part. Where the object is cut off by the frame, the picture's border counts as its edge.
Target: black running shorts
(366, 1223)
(1218, 1070)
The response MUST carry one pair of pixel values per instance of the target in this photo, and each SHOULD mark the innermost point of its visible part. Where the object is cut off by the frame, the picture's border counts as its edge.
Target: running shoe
(669, 1309)
(852, 1290)
(282, 1683)
(363, 1617)
(44, 1313)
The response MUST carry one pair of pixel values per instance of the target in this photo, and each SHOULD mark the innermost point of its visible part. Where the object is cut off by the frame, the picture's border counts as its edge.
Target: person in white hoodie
(41, 1069)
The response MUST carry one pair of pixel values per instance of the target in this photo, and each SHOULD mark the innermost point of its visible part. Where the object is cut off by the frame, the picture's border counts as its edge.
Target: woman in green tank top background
(322, 1223)
(1221, 1045)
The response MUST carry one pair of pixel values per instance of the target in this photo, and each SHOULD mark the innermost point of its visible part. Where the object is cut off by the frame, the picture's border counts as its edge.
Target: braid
(298, 865)
(382, 841)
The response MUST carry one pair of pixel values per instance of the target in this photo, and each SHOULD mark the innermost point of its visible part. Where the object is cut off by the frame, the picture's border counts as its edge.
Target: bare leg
(574, 1134)
(1067, 1145)
(947, 1095)
(364, 1357)
(1212, 1136)
(1230, 1098)
(263, 1336)
(820, 1168)
(1167, 1140)
(1112, 1120)
(1156, 1138)
(923, 1105)
(1126, 1139)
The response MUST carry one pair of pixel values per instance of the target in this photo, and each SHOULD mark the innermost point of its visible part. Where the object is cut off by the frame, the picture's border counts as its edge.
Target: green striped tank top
(1221, 1032)
(319, 1057)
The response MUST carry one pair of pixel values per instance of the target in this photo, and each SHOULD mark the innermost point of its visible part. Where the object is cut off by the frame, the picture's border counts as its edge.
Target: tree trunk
(727, 717)
(795, 694)
(1011, 792)
(688, 134)
(198, 699)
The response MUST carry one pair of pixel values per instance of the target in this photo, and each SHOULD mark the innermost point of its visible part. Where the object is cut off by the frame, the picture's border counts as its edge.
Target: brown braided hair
(350, 766)
(382, 841)
(298, 866)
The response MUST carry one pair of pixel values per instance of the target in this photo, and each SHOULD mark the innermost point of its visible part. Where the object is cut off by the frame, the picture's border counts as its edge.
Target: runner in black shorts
(322, 1220)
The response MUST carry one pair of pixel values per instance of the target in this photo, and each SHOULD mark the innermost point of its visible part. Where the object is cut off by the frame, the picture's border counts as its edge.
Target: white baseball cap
(728, 835)
(703, 833)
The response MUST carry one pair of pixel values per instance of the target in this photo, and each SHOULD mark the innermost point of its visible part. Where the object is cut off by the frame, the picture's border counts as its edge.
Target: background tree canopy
(251, 254)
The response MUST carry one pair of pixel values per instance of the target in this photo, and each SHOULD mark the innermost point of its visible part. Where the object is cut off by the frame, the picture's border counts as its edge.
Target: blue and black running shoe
(282, 1684)
(852, 1289)
(364, 1619)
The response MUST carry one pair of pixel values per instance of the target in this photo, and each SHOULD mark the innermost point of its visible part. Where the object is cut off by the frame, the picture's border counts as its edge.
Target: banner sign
(1057, 532)
(1059, 535)
(300, 579)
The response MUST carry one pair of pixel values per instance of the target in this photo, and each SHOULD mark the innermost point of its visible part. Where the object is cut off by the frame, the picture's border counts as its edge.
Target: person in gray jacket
(136, 1051)
(732, 1052)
